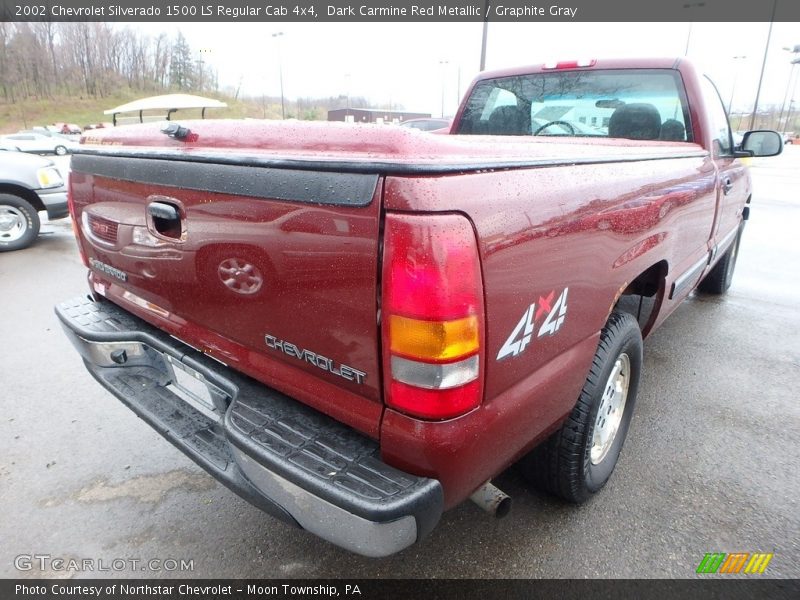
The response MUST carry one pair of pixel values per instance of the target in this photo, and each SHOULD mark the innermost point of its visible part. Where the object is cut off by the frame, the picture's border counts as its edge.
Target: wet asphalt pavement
(710, 465)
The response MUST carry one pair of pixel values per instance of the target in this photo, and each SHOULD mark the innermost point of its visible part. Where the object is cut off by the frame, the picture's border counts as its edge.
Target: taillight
(75, 226)
(433, 315)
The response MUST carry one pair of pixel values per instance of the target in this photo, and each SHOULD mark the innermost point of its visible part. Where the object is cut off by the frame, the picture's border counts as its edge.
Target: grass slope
(82, 111)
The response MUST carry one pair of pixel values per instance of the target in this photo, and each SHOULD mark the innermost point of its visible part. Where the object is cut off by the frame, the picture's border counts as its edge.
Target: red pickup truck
(358, 327)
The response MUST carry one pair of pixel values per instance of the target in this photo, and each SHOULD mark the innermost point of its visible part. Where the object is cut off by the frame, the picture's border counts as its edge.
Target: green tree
(180, 66)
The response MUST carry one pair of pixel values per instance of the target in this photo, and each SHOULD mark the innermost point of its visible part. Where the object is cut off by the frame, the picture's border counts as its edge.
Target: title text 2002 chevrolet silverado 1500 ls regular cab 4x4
(357, 327)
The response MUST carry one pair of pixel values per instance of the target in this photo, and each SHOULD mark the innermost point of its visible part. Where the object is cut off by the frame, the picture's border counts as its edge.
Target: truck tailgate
(270, 270)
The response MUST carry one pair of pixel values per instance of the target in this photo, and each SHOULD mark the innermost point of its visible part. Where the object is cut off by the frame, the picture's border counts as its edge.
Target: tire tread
(556, 466)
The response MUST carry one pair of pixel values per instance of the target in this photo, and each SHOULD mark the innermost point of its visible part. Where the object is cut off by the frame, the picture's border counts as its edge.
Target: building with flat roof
(373, 115)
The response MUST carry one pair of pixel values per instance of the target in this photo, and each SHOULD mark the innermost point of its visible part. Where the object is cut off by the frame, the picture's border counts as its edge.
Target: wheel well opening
(24, 193)
(642, 297)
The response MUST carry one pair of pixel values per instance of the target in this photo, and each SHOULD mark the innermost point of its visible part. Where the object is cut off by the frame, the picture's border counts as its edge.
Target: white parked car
(31, 141)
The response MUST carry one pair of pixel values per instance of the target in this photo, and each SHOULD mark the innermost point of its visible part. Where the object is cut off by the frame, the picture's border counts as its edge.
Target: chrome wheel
(240, 276)
(612, 407)
(13, 223)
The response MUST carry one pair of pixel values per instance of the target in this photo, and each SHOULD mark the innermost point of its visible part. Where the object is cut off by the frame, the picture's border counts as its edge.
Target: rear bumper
(289, 460)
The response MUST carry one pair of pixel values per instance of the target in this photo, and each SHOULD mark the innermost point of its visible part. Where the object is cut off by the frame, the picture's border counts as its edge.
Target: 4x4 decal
(554, 319)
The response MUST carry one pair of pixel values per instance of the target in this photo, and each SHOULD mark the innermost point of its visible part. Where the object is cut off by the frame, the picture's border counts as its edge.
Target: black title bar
(231, 11)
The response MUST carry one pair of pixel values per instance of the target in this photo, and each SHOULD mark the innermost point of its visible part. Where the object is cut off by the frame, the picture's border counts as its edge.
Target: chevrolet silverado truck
(357, 327)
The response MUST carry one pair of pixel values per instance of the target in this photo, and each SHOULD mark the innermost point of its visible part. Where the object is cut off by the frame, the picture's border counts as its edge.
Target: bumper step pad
(284, 457)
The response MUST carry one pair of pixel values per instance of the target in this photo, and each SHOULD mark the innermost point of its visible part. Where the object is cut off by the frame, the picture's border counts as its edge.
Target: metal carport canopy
(169, 103)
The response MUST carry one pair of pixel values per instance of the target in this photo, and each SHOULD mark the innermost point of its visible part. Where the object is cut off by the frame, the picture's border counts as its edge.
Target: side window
(718, 119)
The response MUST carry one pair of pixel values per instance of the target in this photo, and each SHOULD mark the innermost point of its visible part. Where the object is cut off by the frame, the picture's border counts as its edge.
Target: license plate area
(196, 390)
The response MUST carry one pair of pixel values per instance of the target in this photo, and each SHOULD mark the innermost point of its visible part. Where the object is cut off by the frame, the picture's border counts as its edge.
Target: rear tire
(61, 150)
(19, 223)
(578, 459)
(719, 278)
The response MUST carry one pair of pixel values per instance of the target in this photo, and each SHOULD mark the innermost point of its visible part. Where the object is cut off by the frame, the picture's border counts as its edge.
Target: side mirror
(762, 142)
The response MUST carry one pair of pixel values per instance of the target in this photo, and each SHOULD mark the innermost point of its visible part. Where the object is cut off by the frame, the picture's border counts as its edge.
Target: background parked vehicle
(97, 126)
(65, 128)
(39, 142)
(427, 124)
(28, 184)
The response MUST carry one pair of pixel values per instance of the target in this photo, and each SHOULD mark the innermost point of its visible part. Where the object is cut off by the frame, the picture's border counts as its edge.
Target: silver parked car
(40, 143)
(430, 124)
(28, 184)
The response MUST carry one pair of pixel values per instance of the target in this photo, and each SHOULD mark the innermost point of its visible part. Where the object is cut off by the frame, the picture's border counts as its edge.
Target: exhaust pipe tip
(492, 500)
(503, 507)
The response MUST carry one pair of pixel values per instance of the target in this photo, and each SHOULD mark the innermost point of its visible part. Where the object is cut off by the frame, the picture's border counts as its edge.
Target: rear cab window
(643, 104)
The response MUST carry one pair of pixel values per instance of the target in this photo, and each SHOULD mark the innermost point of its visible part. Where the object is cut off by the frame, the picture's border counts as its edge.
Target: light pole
(735, 76)
(458, 86)
(200, 69)
(689, 35)
(277, 37)
(688, 38)
(443, 64)
(789, 115)
(200, 64)
(795, 51)
(763, 64)
(484, 37)
(796, 61)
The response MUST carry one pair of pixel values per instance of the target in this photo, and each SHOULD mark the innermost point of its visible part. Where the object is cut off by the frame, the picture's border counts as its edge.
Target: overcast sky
(401, 62)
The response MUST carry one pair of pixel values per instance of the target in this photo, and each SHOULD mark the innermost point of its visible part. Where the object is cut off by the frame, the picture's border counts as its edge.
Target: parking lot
(710, 465)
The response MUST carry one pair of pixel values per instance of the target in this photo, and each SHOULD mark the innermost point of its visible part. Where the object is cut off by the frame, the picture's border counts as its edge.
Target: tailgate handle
(162, 210)
(166, 219)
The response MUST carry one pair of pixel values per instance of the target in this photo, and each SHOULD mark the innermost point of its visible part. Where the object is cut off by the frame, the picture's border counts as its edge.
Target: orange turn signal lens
(433, 340)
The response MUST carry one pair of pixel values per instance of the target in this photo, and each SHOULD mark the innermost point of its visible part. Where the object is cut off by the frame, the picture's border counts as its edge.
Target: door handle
(727, 186)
